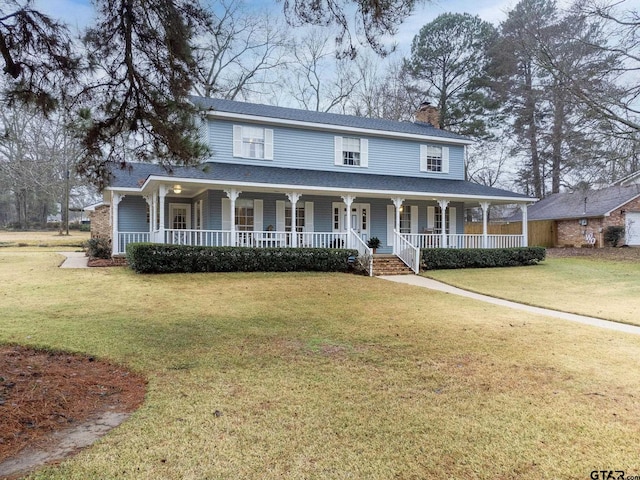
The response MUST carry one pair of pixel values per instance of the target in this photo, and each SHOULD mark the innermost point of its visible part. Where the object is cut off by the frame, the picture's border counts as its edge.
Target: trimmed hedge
(442, 258)
(159, 258)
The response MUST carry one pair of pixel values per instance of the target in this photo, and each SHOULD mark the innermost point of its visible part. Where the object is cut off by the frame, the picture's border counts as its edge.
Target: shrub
(613, 235)
(442, 258)
(159, 258)
(98, 247)
(374, 242)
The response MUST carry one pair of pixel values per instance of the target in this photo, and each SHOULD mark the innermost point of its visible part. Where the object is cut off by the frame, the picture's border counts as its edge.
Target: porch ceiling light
(177, 189)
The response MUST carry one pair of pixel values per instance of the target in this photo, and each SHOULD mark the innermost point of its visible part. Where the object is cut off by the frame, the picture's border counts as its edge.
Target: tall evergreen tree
(448, 60)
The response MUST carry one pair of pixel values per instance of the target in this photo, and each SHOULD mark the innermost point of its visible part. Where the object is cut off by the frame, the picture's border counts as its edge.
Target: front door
(357, 219)
(179, 219)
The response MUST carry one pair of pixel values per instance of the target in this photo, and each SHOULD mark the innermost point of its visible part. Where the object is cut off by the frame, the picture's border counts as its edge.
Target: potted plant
(373, 243)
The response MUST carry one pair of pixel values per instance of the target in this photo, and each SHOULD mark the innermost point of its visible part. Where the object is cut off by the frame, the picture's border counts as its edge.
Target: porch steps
(389, 265)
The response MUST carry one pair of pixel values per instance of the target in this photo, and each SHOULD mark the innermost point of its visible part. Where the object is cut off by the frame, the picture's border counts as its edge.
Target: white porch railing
(125, 238)
(261, 239)
(205, 238)
(364, 251)
(434, 240)
(407, 252)
(423, 240)
(504, 241)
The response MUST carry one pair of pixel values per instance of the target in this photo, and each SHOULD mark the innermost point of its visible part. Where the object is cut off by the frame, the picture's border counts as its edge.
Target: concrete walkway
(429, 283)
(74, 260)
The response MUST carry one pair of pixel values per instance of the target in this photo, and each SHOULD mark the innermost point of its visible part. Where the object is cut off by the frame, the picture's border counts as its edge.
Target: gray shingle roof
(572, 205)
(230, 106)
(221, 172)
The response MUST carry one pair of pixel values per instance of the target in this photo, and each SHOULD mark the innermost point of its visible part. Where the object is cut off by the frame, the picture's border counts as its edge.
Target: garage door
(633, 228)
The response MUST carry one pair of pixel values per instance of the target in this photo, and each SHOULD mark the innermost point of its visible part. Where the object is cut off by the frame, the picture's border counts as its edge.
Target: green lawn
(330, 376)
(590, 286)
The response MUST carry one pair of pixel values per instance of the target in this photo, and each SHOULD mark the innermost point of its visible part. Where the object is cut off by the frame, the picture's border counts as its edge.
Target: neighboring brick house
(582, 217)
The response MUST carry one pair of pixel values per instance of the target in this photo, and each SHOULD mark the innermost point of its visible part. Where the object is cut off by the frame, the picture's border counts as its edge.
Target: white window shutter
(338, 151)
(364, 152)
(237, 141)
(280, 225)
(423, 158)
(414, 219)
(431, 218)
(445, 159)
(391, 221)
(226, 214)
(308, 217)
(268, 144)
(452, 220)
(257, 216)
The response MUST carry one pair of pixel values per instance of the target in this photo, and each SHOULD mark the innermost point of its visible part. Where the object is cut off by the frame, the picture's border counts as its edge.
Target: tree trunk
(530, 112)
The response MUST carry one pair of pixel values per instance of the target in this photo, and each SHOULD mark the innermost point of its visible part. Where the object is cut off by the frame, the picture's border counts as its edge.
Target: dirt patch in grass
(107, 262)
(44, 395)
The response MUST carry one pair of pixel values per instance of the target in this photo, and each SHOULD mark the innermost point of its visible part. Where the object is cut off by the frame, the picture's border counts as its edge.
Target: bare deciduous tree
(239, 54)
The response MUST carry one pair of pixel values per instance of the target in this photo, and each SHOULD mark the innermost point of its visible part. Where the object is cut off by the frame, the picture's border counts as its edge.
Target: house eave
(154, 180)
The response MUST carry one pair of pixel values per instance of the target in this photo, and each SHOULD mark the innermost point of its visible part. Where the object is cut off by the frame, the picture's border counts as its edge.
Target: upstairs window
(253, 142)
(434, 158)
(351, 151)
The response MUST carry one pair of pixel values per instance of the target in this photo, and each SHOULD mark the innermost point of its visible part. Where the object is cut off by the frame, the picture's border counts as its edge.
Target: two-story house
(282, 177)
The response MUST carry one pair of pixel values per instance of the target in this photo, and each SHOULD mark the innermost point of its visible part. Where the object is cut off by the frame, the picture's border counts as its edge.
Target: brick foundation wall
(101, 222)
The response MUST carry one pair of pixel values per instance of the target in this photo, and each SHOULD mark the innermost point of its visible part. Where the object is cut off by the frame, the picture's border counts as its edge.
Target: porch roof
(142, 175)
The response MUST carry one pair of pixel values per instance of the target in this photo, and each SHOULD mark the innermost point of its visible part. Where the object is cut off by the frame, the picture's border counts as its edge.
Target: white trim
(364, 152)
(337, 145)
(257, 215)
(391, 219)
(408, 195)
(453, 226)
(431, 218)
(334, 128)
(414, 218)
(308, 217)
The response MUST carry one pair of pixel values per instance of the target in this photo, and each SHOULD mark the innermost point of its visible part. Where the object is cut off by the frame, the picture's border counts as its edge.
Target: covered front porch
(189, 212)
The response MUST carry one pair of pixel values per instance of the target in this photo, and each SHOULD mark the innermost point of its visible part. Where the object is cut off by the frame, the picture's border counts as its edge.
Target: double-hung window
(299, 218)
(351, 151)
(253, 142)
(405, 220)
(434, 158)
(244, 215)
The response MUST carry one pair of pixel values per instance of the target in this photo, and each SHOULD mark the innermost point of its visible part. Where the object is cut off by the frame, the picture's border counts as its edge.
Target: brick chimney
(427, 113)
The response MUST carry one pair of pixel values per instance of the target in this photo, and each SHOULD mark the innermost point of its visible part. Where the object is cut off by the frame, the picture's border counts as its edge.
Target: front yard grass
(48, 239)
(593, 286)
(330, 376)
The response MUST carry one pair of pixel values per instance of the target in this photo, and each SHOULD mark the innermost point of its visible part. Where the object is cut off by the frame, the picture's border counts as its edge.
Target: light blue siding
(314, 150)
(132, 214)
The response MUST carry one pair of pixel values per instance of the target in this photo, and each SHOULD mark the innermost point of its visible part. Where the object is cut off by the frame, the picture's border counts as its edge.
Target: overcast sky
(78, 13)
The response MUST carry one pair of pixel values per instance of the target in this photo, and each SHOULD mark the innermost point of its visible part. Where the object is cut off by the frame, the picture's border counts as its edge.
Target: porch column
(293, 198)
(443, 211)
(162, 193)
(233, 195)
(397, 202)
(485, 215)
(348, 201)
(115, 235)
(525, 225)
